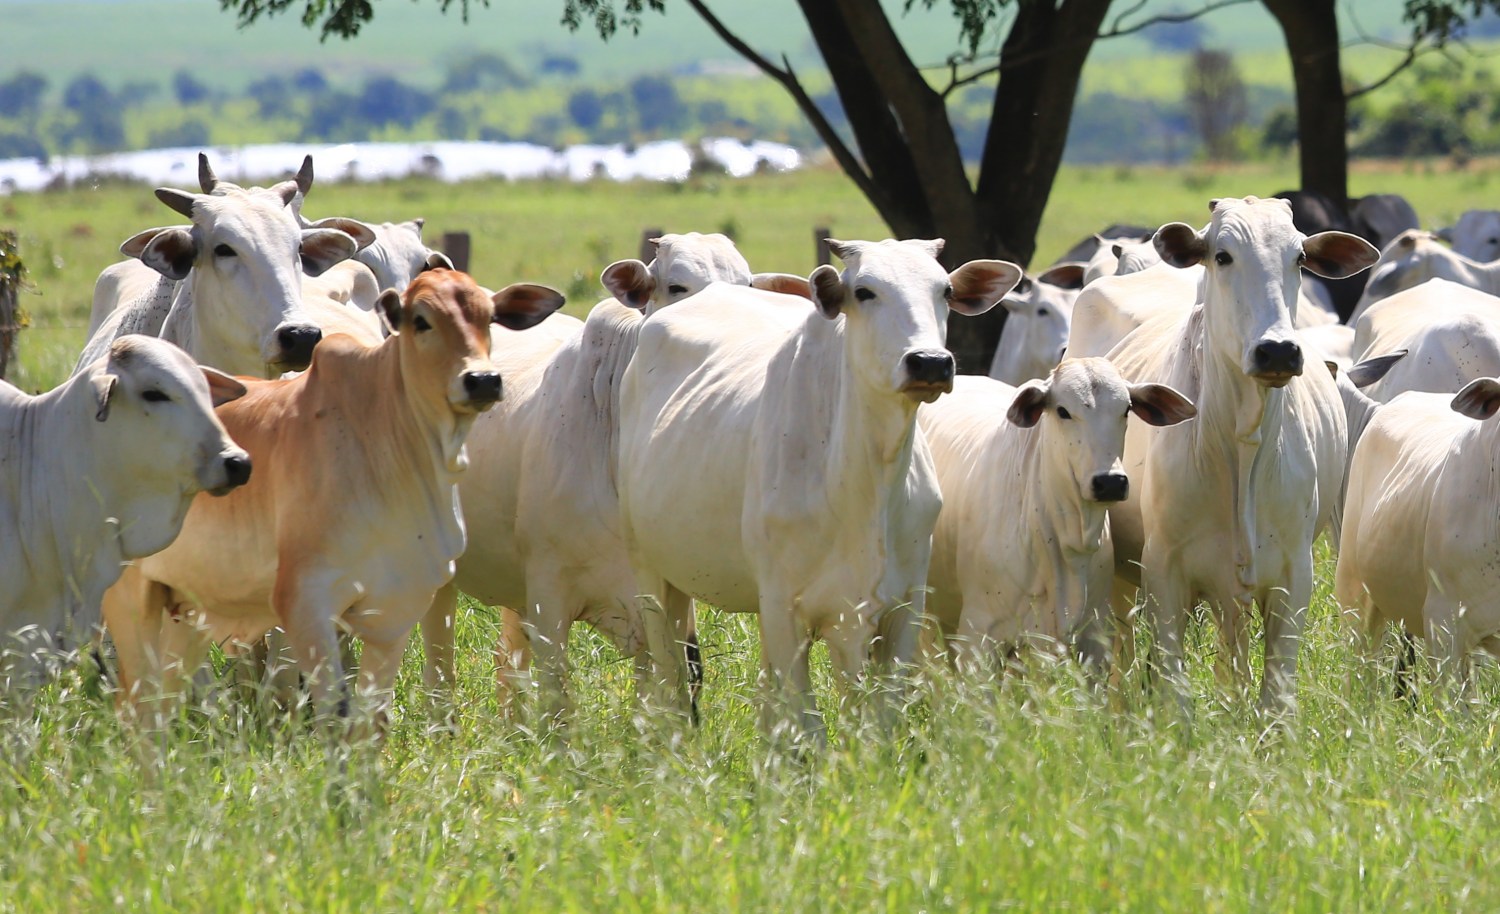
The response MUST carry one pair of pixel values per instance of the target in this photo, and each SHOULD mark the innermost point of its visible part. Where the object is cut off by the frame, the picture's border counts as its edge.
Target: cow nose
(297, 342)
(930, 366)
(1110, 486)
(1281, 358)
(482, 385)
(237, 469)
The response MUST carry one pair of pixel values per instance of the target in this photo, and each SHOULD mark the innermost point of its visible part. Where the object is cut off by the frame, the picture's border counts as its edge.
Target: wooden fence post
(12, 274)
(648, 249)
(820, 245)
(456, 246)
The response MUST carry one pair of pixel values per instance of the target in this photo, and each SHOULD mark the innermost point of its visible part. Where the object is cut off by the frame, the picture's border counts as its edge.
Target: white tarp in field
(667, 160)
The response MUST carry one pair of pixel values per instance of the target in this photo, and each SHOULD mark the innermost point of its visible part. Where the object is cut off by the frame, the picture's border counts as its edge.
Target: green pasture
(1027, 793)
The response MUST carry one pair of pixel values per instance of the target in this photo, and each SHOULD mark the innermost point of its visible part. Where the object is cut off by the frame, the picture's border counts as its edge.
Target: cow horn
(180, 201)
(305, 175)
(206, 177)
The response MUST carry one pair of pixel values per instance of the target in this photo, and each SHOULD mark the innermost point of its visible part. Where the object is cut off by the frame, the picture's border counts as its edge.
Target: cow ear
(523, 304)
(388, 306)
(1443, 234)
(1158, 404)
(180, 201)
(221, 387)
(419, 222)
(135, 245)
(1369, 371)
(630, 282)
(1117, 249)
(933, 246)
(828, 290)
(1333, 368)
(170, 252)
(979, 284)
(322, 248)
(437, 260)
(1065, 275)
(1180, 245)
(363, 235)
(104, 389)
(1335, 255)
(785, 283)
(1030, 402)
(1479, 399)
(286, 190)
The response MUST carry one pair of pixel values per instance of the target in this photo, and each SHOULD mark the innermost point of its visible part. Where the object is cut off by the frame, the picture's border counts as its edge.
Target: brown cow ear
(1030, 402)
(630, 282)
(1373, 369)
(979, 284)
(1180, 245)
(785, 283)
(1479, 399)
(170, 252)
(363, 235)
(389, 307)
(1335, 255)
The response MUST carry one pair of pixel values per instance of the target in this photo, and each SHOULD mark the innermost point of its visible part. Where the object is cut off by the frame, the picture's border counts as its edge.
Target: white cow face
(394, 251)
(1253, 255)
(1477, 235)
(1082, 407)
(1038, 319)
(246, 254)
(157, 410)
(895, 298)
(683, 266)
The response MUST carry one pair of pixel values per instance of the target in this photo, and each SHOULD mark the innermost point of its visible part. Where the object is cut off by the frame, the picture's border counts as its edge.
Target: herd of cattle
(802, 449)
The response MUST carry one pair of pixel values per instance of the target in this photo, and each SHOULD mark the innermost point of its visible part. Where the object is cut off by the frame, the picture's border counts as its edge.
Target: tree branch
(788, 79)
(1115, 31)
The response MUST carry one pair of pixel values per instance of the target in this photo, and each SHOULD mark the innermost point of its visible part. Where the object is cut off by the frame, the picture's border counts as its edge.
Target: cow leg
(310, 628)
(378, 665)
(657, 607)
(438, 668)
(1122, 604)
(1167, 602)
(184, 645)
(685, 624)
(134, 622)
(512, 663)
(1232, 666)
(1285, 612)
(789, 703)
(548, 621)
(1441, 615)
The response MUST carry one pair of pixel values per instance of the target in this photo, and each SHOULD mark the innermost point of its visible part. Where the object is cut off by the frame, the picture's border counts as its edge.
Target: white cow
(1416, 257)
(96, 473)
(1476, 236)
(1451, 333)
(1038, 313)
(1230, 505)
(1108, 309)
(234, 279)
(540, 494)
(1021, 553)
(1421, 543)
(770, 460)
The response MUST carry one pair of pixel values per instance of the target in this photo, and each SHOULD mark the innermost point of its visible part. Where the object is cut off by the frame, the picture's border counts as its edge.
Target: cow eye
(948, 292)
(676, 289)
(224, 250)
(155, 396)
(1023, 286)
(420, 324)
(1301, 258)
(1042, 312)
(1063, 413)
(863, 294)
(1223, 259)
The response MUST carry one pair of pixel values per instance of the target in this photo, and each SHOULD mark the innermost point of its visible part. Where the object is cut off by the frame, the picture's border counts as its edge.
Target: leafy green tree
(21, 95)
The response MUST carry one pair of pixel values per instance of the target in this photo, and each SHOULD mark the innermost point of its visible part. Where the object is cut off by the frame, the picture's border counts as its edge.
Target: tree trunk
(1312, 39)
(11, 276)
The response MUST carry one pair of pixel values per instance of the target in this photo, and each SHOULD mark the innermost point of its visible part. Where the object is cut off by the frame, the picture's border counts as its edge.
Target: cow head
(243, 256)
(156, 407)
(683, 266)
(443, 324)
(1039, 313)
(1082, 406)
(1253, 256)
(895, 298)
(1477, 235)
(1411, 258)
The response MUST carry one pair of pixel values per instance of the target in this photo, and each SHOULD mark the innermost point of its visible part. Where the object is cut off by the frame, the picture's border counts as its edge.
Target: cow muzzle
(294, 346)
(1275, 362)
(1109, 487)
(482, 389)
(929, 374)
(234, 469)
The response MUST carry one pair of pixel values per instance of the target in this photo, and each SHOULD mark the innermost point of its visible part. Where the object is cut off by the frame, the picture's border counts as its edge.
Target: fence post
(456, 246)
(12, 274)
(648, 249)
(820, 245)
